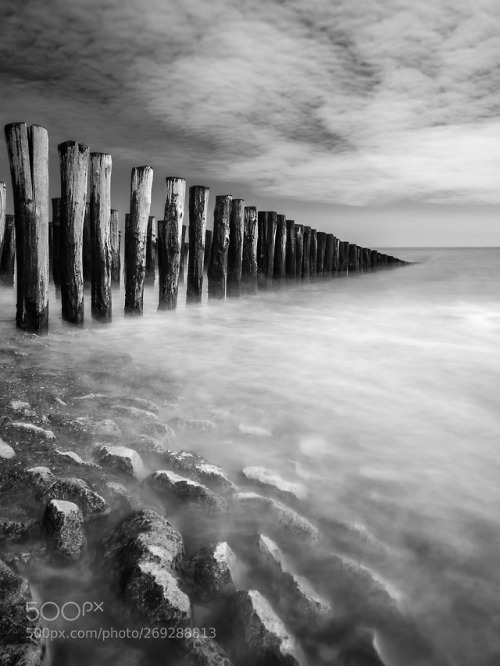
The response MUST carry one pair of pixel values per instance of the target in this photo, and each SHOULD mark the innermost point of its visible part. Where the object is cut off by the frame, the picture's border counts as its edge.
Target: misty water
(379, 391)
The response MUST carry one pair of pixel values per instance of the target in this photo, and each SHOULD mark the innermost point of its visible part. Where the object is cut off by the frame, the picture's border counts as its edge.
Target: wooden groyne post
(170, 243)
(306, 260)
(249, 267)
(343, 257)
(115, 241)
(3, 212)
(262, 222)
(74, 162)
(87, 246)
(291, 255)
(198, 207)
(56, 241)
(100, 225)
(182, 266)
(208, 249)
(329, 254)
(235, 249)
(217, 271)
(279, 271)
(320, 253)
(8, 256)
(151, 251)
(141, 185)
(313, 259)
(353, 258)
(269, 247)
(28, 149)
(299, 250)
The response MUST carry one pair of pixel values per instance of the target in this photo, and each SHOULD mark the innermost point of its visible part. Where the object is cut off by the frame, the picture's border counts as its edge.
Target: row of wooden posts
(247, 250)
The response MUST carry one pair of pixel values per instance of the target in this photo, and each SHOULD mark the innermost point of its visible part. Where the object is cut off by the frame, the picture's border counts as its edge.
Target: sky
(377, 120)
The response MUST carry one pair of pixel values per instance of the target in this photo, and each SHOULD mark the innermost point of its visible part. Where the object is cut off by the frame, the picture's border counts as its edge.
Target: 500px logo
(69, 611)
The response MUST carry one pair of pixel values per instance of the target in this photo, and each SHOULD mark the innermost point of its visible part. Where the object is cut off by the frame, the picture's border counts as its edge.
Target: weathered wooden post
(359, 258)
(320, 252)
(56, 241)
(100, 214)
(217, 271)
(367, 259)
(169, 243)
(151, 250)
(3, 213)
(306, 262)
(353, 258)
(279, 271)
(249, 267)
(208, 249)
(329, 254)
(343, 256)
(198, 205)
(74, 162)
(28, 150)
(114, 239)
(313, 261)
(374, 259)
(87, 246)
(269, 247)
(262, 221)
(8, 257)
(336, 255)
(299, 250)
(235, 250)
(183, 255)
(291, 254)
(135, 238)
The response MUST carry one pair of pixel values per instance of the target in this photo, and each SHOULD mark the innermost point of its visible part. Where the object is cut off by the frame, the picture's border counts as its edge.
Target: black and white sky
(378, 120)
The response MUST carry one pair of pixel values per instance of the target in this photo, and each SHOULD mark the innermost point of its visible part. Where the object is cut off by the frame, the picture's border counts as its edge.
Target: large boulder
(209, 572)
(63, 524)
(142, 555)
(19, 645)
(120, 459)
(180, 490)
(194, 466)
(77, 491)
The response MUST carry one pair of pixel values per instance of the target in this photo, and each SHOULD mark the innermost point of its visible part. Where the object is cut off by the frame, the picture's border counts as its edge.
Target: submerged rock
(254, 431)
(143, 554)
(209, 572)
(178, 488)
(198, 425)
(149, 446)
(155, 428)
(77, 491)
(105, 428)
(276, 515)
(135, 413)
(148, 405)
(19, 644)
(6, 451)
(63, 524)
(120, 459)
(261, 638)
(273, 482)
(31, 429)
(194, 466)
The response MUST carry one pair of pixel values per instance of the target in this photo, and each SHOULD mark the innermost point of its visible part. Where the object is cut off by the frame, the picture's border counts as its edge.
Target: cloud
(346, 102)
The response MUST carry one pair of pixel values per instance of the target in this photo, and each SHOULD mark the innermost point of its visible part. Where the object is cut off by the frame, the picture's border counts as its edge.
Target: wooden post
(208, 249)
(329, 254)
(217, 271)
(320, 252)
(353, 258)
(8, 257)
(3, 213)
(114, 239)
(336, 255)
(100, 214)
(313, 261)
(374, 258)
(359, 258)
(262, 221)
(135, 238)
(183, 255)
(306, 261)
(198, 205)
(169, 243)
(367, 259)
(249, 284)
(87, 246)
(299, 250)
(291, 254)
(235, 249)
(56, 241)
(74, 162)
(28, 150)
(151, 251)
(279, 271)
(343, 256)
(269, 247)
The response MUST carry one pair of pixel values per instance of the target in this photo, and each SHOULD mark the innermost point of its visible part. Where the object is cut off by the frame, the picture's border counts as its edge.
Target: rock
(277, 515)
(143, 554)
(155, 428)
(72, 456)
(31, 429)
(19, 645)
(194, 466)
(359, 648)
(39, 477)
(178, 488)
(106, 428)
(254, 431)
(77, 491)
(14, 530)
(209, 572)
(297, 594)
(6, 451)
(60, 402)
(120, 459)
(204, 651)
(90, 396)
(261, 636)
(149, 405)
(135, 413)
(63, 524)
(199, 425)
(120, 498)
(149, 446)
(275, 483)
(19, 406)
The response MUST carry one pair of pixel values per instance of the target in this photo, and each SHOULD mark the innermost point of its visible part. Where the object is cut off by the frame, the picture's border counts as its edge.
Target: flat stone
(31, 429)
(277, 515)
(71, 455)
(76, 491)
(6, 451)
(275, 483)
(180, 489)
(120, 459)
(194, 466)
(63, 524)
(197, 425)
(263, 636)
(135, 413)
(209, 572)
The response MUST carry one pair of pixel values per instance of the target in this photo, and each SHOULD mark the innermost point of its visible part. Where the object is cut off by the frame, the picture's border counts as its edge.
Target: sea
(376, 392)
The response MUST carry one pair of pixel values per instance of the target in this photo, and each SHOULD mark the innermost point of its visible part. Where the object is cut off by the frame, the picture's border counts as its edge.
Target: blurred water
(379, 390)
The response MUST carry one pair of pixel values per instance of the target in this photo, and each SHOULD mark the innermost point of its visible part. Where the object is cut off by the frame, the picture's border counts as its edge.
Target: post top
(65, 145)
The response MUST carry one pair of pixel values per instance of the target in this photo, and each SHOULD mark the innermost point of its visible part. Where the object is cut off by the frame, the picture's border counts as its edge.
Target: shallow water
(379, 391)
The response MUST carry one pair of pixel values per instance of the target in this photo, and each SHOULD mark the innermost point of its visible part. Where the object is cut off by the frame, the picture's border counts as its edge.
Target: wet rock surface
(62, 522)
(209, 572)
(120, 459)
(179, 489)
(193, 466)
(76, 491)
(274, 483)
(195, 425)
